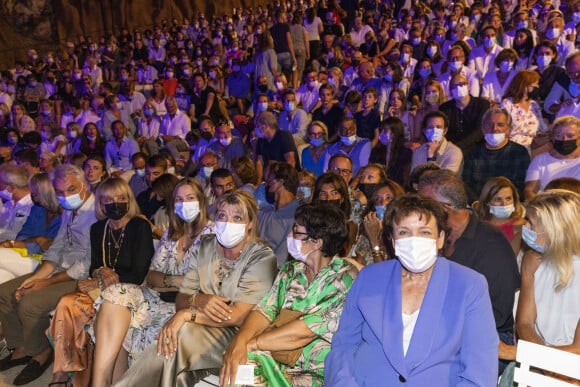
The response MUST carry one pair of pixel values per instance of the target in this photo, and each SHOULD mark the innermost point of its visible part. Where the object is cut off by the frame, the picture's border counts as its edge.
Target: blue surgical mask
(72, 202)
(543, 60)
(140, 172)
(380, 210)
(530, 236)
(502, 212)
(424, 73)
(316, 142)
(289, 106)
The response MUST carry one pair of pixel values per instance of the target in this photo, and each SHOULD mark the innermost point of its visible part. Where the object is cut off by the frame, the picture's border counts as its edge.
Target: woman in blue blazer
(418, 320)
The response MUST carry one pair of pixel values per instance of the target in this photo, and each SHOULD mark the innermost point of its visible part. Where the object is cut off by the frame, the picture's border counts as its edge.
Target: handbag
(288, 357)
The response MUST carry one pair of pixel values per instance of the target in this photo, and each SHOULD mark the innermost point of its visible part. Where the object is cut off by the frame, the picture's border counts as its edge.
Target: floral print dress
(148, 311)
(321, 301)
(525, 123)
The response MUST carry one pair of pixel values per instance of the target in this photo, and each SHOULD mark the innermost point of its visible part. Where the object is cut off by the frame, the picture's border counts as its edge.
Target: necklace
(112, 240)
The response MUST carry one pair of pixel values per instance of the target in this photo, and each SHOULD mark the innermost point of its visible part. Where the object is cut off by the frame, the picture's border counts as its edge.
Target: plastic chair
(546, 359)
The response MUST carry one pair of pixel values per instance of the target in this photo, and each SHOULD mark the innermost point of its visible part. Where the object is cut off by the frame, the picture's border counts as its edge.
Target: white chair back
(548, 359)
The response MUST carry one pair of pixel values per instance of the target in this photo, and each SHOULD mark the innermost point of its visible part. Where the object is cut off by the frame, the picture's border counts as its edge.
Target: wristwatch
(193, 314)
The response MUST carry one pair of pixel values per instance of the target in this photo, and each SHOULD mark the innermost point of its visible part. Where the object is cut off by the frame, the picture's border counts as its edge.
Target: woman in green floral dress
(313, 287)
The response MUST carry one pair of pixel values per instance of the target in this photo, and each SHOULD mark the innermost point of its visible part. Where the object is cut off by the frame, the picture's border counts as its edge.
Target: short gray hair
(64, 170)
(496, 110)
(448, 185)
(14, 175)
(268, 119)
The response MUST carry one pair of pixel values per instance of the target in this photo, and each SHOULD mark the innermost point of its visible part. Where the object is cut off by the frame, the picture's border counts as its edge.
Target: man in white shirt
(120, 149)
(482, 58)
(174, 127)
(26, 301)
(456, 60)
(359, 30)
(15, 194)
(307, 93)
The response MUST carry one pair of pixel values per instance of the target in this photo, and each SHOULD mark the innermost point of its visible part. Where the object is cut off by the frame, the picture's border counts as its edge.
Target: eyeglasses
(296, 233)
(341, 171)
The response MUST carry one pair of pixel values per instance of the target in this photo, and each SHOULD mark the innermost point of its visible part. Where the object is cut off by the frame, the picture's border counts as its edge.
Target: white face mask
(416, 254)
(295, 249)
(460, 92)
(494, 139)
(502, 212)
(171, 170)
(434, 134)
(187, 211)
(230, 234)
(225, 141)
(348, 140)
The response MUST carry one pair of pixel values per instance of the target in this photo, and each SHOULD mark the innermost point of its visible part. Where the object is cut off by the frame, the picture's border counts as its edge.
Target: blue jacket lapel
(430, 315)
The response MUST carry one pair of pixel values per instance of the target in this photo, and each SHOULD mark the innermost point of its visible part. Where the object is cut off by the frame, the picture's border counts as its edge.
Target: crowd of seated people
(223, 179)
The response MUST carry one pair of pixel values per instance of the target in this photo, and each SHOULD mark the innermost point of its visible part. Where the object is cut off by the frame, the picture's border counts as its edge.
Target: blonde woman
(121, 251)
(549, 303)
(229, 272)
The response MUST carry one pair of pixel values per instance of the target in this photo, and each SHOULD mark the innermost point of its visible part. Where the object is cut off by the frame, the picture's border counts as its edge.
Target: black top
(399, 168)
(136, 248)
(331, 119)
(366, 125)
(200, 103)
(486, 250)
(279, 31)
(148, 205)
(482, 164)
(281, 143)
(465, 125)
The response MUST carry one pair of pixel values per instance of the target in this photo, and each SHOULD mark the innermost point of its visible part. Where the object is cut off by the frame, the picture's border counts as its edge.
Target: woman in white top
(549, 303)
(526, 113)
(314, 27)
(495, 83)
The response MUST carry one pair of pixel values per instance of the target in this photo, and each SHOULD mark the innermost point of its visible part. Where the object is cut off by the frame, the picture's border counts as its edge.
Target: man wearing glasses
(358, 149)
(456, 62)
(26, 301)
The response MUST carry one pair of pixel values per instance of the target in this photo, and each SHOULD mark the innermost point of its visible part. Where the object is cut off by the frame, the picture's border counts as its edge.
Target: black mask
(263, 88)
(206, 136)
(534, 93)
(565, 147)
(355, 62)
(334, 202)
(368, 189)
(116, 211)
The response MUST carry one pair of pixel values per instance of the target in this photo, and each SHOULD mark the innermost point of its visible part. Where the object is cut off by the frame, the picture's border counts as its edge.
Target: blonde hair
(44, 193)
(247, 205)
(108, 189)
(178, 227)
(557, 212)
(563, 122)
